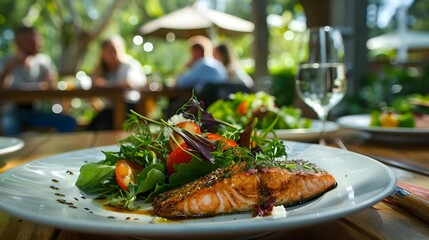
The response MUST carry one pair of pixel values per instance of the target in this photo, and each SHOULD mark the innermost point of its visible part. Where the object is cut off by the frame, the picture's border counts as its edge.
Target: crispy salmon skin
(238, 188)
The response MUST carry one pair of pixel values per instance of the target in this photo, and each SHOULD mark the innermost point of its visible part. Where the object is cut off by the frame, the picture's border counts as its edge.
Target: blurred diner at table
(28, 69)
(116, 69)
(203, 68)
(224, 53)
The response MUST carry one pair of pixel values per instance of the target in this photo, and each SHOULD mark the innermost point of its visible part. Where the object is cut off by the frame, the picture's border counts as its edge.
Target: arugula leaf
(150, 177)
(187, 172)
(111, 158)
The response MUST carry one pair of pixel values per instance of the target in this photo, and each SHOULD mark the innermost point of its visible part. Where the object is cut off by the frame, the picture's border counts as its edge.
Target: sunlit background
(64, 26)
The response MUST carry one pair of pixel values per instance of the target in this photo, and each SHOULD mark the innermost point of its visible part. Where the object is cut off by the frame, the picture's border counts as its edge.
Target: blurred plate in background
(305, 134)
(361, 122)
(9, 145)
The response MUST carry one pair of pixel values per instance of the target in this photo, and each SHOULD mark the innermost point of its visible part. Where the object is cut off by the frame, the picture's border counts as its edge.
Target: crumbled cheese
(176, 119)
(279, 212)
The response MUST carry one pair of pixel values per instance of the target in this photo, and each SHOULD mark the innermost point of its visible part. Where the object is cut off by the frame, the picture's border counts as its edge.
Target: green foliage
(283, 86)
(390, 83)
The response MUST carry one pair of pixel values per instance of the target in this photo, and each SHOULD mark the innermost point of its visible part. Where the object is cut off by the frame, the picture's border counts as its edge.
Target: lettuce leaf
(97, 178)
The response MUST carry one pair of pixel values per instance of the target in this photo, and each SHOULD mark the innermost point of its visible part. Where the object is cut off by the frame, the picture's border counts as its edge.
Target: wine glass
(321, 77)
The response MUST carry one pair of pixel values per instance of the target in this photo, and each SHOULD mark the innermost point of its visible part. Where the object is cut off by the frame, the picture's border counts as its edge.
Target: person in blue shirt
(203, 68)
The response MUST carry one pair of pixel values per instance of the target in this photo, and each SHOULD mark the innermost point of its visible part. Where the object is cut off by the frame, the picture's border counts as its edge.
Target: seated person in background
(203, 68)
(28, 69)
(116, 69)
(236, 74)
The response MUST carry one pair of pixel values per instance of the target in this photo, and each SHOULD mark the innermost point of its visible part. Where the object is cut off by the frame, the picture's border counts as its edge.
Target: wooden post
(317, 12)
(261, 36)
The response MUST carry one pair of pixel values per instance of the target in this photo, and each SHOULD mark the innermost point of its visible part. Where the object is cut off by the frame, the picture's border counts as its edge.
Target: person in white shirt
(236, 74)
(28, 69)
(116, 69)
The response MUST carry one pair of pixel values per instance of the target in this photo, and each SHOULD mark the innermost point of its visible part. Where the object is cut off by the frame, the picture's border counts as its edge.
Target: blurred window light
(396, 88)
(80, 75)
(8, 34)
(133, 96)
(76, 103)
(371, 15)
(57, 108)
(288, 35)
(388, 9)
(154, 86)
(275, 20)
(148, 47)
(147, 69)
(93, 13)
(170, 37)
(138, 40)
(133, 20)
(290, 62)
(62, 85)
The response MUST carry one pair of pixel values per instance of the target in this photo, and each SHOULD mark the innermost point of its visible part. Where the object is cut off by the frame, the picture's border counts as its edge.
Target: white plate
(361, 122)
(9, 145)
(32, 191)
(305, 134)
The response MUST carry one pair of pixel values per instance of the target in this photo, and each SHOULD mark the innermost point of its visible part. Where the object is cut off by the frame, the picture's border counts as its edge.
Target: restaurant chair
(215, 91)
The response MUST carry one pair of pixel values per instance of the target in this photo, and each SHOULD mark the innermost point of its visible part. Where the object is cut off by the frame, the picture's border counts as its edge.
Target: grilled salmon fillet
(238, 188)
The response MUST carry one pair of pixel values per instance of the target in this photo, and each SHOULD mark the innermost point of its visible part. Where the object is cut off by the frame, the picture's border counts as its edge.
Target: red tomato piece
(177, 156)
(126, 173)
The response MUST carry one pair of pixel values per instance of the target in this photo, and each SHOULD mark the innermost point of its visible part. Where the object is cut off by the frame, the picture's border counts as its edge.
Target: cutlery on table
(410, 202)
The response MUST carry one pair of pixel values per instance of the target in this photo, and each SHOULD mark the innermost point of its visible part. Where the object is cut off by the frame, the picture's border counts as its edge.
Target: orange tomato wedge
(126, 173)
(228, 143)
(242, 108)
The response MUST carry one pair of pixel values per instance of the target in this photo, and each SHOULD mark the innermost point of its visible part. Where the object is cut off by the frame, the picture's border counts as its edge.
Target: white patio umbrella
(191, 21)
(395, 40)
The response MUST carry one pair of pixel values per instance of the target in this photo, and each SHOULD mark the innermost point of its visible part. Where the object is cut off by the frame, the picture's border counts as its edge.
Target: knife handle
(415, 205)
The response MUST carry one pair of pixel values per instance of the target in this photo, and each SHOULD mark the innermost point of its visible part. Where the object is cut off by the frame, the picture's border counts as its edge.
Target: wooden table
(381, 221)
(144, 106)
(114, 93)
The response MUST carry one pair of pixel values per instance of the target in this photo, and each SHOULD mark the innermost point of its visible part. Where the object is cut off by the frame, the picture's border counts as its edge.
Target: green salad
(402, 112)
(242, 108)
(161, 155)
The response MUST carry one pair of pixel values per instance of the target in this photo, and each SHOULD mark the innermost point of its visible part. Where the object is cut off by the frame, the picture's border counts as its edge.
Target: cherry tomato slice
(242, 108)
(191, 127)
(228, 143)
(126, 173)
(177, 156)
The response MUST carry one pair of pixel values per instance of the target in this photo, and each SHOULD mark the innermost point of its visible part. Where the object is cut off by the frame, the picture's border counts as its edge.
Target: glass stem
(322, 116)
